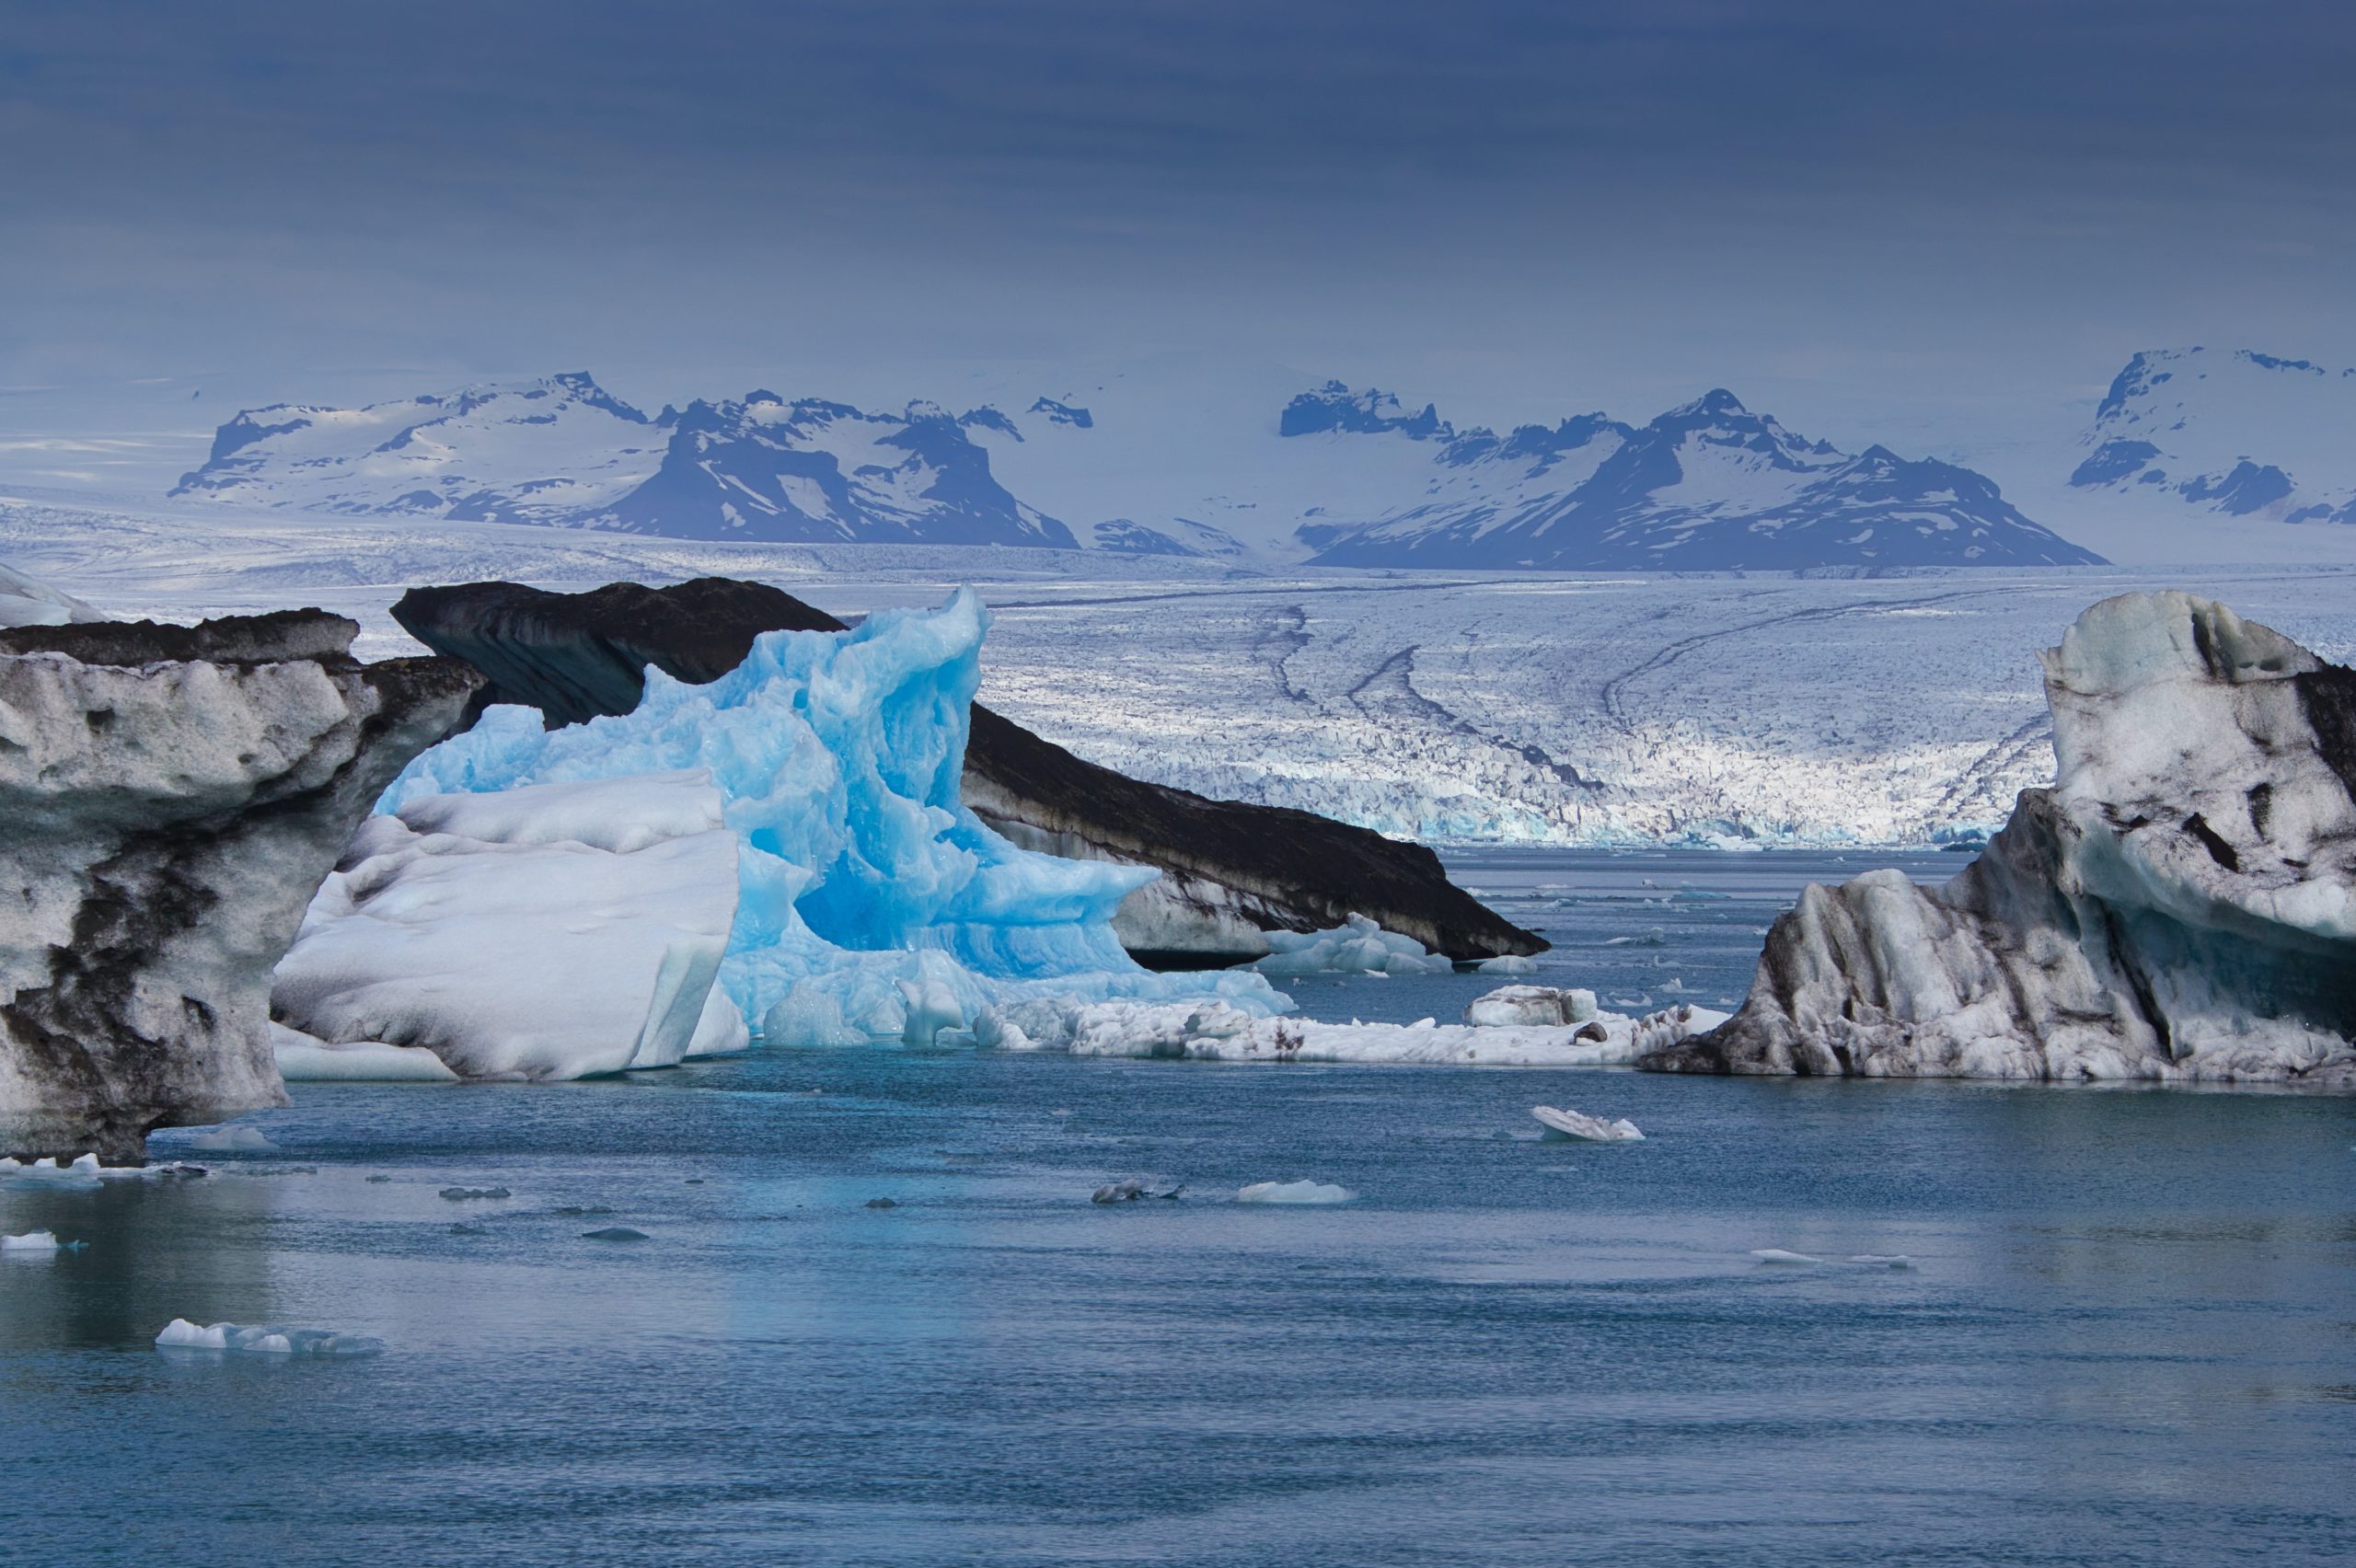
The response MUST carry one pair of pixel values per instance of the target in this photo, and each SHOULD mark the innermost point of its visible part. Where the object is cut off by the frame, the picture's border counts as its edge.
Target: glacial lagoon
(2127, 1334)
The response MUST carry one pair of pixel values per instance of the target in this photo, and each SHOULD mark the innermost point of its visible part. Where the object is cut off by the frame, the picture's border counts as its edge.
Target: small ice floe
(616, 1233)
(1131, 1190)
(1578, 1125)
(464, 1194)
(264, 1339)
(1508, 964)
(1303, 1192)
(234, 1140)
(1357, 946)
(1531, 1007)
(37, 1243)
(1778, 1257)
(81, 1172)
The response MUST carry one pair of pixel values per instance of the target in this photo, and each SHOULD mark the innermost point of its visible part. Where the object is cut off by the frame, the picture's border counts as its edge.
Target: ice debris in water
(1578, 1125)
(227, 1140)
(1777, 1256)
(264, 1339)
(1530, 1006)
(35, 1242)
(49, 1172)
(873, 905)
(1302, 1191)
(1508, 964)
(1357, 946)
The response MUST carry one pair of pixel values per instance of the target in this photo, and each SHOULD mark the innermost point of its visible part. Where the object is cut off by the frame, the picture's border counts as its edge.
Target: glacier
(870, 903)
(2179, 906)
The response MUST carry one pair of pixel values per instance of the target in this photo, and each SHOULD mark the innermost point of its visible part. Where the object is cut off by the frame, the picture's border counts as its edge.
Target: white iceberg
(1508, 964)
(263, 1340)
(870, 903)
(1211, 1031)
(30, 1241)
(1357, 946)
(1578, 1125)
(28, 601)
(1303, 1192)
(1535, 1006)
(547, 931)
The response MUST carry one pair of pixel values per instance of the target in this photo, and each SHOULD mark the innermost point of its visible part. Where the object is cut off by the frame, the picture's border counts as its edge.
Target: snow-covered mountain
(1710, 486)
(538, 451)
(811, 470)
(2235, 434)
(1348, 477)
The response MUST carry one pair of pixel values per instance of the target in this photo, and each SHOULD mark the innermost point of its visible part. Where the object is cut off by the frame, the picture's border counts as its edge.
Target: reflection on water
(2128, 1336)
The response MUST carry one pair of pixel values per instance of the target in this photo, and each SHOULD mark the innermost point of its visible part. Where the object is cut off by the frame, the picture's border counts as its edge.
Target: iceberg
(1578, 1125)
(1357, 946)
(547, 931)
(870, 903)
(2179, 906)
(263, 1340)
(32, 1241)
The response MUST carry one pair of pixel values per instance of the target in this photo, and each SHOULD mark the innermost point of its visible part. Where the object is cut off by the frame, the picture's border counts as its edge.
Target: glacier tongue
(871, 904)
(2180, 905)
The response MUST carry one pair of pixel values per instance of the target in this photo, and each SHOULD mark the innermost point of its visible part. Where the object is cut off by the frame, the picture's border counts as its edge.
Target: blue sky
(1917, 221)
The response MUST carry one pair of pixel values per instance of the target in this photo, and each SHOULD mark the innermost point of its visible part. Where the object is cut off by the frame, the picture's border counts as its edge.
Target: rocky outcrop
(169, 799)
(2180, 905)
(1230, 870)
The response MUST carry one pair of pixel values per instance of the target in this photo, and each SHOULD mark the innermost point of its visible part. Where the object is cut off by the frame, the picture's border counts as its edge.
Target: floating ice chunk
(1777, 1255)
(1594, 1129)
(30, 1241)
(872, 905)
(264, 1339)
(1357, 946)
(234, 1140)
(48, 1172)
(1508, 964)
(1530, 1006)
(1302, 1191)
(720, 1030)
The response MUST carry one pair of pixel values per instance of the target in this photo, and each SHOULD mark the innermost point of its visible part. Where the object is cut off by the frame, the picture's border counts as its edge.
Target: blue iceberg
(871, 904)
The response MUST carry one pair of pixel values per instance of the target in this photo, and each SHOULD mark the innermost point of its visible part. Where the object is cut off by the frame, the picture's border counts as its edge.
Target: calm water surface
(2130, 1335)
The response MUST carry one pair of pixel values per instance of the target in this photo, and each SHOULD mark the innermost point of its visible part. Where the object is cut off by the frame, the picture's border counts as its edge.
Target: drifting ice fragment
(1302, 1191)
(266, 1340)
(32, 1241)
(1531, 1007)
(1777, 1255)
(1594, 1129)
(1357, 946)
(1508, 964)
(243, 1140)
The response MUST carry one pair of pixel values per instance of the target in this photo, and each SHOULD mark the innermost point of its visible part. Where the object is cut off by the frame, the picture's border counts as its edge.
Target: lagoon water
(2129, 1334)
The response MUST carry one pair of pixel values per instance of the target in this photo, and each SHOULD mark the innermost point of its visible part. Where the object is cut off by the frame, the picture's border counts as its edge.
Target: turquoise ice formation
(871, 904)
